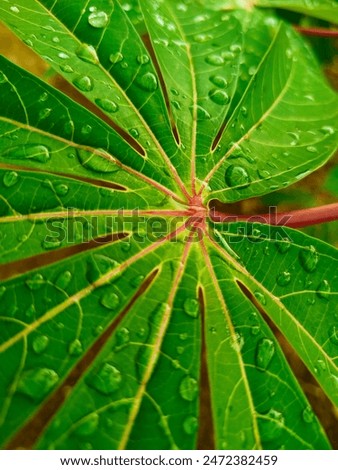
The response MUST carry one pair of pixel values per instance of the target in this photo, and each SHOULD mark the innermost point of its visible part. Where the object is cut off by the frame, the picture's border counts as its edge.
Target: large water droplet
(107, 105)
(10, 178)
(87, 425)
(333, 334)
(83, 83)
(61, 189)
(122, 338)
(283, 245)
(237, 176)
(147, 82)
(324, 289)
(14, 9)
(38, 153)
(37, 383)
(214, 59)
(219, 81)
(110, 300)
(100, 162)
(284, 278)
(63, 279)
(134, 133)
(260, 297)
(264, 353)
(98, 19)
(35, 282)
(201, 114)
(308, 258)
(107, 380)
(272, 425)
(87, 53)
(66, 68)
(219, 97)
(191, 307)
(116, 58)
(40, 343)
(51, 243)
(142, 59)
(190, 425)
(75, 348)
(188, 388)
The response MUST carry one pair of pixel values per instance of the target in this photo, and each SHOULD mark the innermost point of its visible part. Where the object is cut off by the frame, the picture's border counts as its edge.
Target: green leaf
(126, 313)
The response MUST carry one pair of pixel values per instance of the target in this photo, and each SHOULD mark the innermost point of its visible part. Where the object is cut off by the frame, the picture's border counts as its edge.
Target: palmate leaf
(122, 303)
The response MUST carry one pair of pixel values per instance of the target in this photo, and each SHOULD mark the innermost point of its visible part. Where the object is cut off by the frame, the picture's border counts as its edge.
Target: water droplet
(10, 178)
(122, 338)
(188, 388)
(134, 133)
(66, 68)
(37, 383)
(2, 290)
(284, 278)
(83, 83)
(191, 307)
(214, 59)
(283, 245)
(219, 81)
(255, 330)
(219, 97)
(237, 176)
(101, 163)
(237, 342)
(201, 113)
(327, 130)
(142, 59)
(147, 82)
(14, 9)
(110, 300)
(116, 58)
(87, 425)
(107, 105)
(63, 280)
(38, 153)
(87, 53)
(51, 243)
(272, 425)
(308, 415)
(202, 37)
(75, 348)
(63, 55)
(324, 290)
(263, 174)
(312, 149)
(86, 129)
(190, 425)
(40, 343)
(333, 334)
(264, 353)
(98, 19)
(35, 282)
(260, 297)
(106, 380)
(308, 258)
(137, 280)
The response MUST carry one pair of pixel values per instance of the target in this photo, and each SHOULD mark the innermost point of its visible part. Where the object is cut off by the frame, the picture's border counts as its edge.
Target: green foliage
(121, 301)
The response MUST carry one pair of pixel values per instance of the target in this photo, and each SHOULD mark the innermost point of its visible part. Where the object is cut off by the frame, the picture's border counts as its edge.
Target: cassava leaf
(125, 311)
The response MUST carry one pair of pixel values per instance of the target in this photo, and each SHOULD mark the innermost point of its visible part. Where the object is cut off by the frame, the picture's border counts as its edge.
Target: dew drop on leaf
(14, 9)
(237, 176)
(75, 348)
(107, 105)
(134, 133)
(142, 59)
(2, 290)
(284, 278)
(218, 81)
(98, 19)
(214, 59)
(308, 415)
(38, 153)
(110, 300)
(50, 243)
(40, 343)
(83, 83)
(88, 425)
(137, 280)
(264, 353)
(283, 245)
(201, 113)
(219, 97)
(324, 289)
(86, 129)
(63, 55)
(87, 53)
(61, 189)
(101, 163)
(116, 58)
(147, 82)
(260, 297)
(191, 307)
(10, 178)
(188, 388)
(37, 383)
(122, 338)
(106, 380)
(35, 282)
(66, 68)
(308, 258)
(272, 425)
(333, 334)
(190, 425)
(255, 330)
